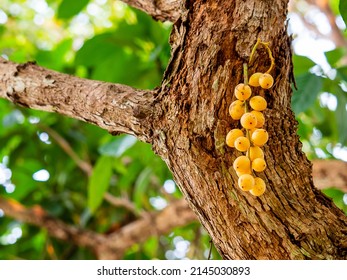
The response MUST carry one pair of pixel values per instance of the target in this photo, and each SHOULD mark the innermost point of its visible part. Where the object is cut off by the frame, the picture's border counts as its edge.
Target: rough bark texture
(292, 220)
(114, 107)
(186, 121)
(159, 9)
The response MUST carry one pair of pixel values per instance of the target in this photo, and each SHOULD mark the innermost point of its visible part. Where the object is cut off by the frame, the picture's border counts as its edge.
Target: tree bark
(186, 121)
(292, 220)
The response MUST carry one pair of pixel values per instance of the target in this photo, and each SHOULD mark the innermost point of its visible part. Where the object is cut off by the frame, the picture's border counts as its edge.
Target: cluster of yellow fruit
(248, 109)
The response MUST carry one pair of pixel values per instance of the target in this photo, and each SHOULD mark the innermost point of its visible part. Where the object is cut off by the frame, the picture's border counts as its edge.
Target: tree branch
(39, 217)
(162, 10)
(330, 173)
(106, 246)
(113, 107)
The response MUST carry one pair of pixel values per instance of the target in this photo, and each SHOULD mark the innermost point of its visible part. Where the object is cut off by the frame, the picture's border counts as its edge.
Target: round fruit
(237, 109)
(242, 164)
(254, 79)
(259, 137)
(255, 152)
(258, 164)
(242, 92)
(258, 103)
(259, 187)
(242, 144)
(239, 173)
(248, 121)
(246, 182)
(232, 136)
(266, 81)
(260, 118)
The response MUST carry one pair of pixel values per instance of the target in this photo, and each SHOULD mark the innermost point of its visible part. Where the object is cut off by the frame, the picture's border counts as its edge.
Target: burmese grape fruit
(232, 136)
(242, 144)
(266, 81)
(246, 182)
(237, 109)
(242, 164)
(255, 152)
(254, 79)
(248, 121)
(260, 118)
(250, 136)
(258, 187)
(258, 164)
(259, 137)
(242, 92)
(258, 103)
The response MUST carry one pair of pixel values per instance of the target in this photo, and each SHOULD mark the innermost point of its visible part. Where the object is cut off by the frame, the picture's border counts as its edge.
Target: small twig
(210, 250)
(123, 202)
(83, 165)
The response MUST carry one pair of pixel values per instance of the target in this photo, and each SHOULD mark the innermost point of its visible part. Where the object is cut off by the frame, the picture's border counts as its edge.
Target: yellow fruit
(258, 164)
(259, 187)
(266, 81)
(260, 118)
(239, 173)
(258, 103)
(254, 79)
(232, 136)
(242, 164)
(237, 109)
(242, 144)
(259, 137)
(242, 92)
(246, 182)
(248, 121)
(255, 152)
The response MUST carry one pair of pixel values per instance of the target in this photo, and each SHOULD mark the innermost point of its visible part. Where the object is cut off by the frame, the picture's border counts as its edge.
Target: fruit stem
(245, 74)
(253, 51)
(266, 45)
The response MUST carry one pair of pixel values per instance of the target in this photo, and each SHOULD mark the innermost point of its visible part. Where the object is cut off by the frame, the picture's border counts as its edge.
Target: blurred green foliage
(106, 40)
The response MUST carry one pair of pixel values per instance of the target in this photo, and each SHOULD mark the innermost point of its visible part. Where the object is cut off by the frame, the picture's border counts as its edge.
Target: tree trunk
(186, 121)
(292, 220)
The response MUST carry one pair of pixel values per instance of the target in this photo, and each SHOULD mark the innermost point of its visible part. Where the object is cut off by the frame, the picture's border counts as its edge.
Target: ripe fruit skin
(242, 92)
(255, 152)
(259, 137)
(258, 164)
(266, 81)
(248, 121)
(246, 182)
(242, 164)
(259, 187)
(254, 79)
(242, 144)
(236, 109)
(260, 118)
(232, 136)
(258, 103)
(239, 173)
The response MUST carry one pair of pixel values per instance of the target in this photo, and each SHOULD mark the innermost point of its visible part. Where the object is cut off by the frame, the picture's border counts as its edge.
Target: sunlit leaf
(117, 147)
(68, 8)
(99, 182)
(302, 64)
(309, 86)
(343, 10)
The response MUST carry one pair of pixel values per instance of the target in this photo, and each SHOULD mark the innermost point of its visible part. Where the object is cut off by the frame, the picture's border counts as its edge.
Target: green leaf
(99, 182)
(341, 116)
(141, 185)
(343, 10)
(117, 147)
(335, 55)
(69, 8)
(302, 64)
(309, 86)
